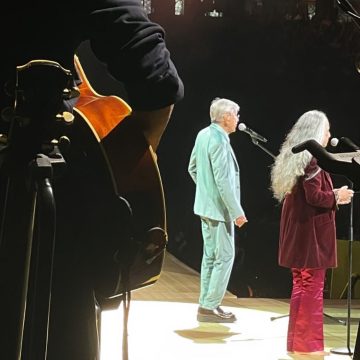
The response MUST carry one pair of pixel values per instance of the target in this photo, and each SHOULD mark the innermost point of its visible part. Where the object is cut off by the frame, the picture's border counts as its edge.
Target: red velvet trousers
(305, 331)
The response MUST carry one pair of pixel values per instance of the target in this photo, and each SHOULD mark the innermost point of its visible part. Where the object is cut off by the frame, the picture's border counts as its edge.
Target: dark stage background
(276, 64)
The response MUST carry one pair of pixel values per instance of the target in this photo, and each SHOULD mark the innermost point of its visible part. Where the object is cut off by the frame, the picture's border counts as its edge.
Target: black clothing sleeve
(134, 50)
(121, 35)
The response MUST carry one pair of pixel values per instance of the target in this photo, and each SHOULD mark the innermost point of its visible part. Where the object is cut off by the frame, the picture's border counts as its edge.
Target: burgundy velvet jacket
(307, 226)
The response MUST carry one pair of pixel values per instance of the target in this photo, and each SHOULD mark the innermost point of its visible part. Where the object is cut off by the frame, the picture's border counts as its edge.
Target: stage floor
(162, 325)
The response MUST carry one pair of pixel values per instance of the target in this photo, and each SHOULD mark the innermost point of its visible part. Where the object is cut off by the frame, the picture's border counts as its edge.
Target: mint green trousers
(217, 261)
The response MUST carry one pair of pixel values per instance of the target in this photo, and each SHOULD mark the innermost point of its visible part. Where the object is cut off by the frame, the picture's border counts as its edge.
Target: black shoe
(226, 313)
(215, 316)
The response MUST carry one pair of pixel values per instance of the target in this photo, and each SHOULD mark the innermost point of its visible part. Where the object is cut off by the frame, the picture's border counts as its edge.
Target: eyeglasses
(233, 114)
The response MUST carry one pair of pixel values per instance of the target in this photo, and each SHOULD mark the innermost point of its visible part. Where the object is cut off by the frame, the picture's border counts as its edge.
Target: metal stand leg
(347, 350)
(342, 322)
(333, 318)
(39, 264)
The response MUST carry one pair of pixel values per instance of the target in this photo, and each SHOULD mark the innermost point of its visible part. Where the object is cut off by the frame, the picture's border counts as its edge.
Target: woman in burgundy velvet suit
(307, 243)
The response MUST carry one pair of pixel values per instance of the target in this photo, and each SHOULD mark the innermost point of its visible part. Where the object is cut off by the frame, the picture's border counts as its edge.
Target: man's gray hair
(219, 107)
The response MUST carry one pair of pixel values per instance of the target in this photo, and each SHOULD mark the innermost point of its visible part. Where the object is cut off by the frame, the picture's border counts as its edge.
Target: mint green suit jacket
(215, 171)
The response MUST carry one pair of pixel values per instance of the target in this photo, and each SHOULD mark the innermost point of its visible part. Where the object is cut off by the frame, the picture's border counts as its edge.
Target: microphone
(252, 133)
(344, 144)
(334, 142)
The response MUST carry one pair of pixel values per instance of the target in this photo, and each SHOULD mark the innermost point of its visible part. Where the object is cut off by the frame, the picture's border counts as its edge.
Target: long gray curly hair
(288, 167)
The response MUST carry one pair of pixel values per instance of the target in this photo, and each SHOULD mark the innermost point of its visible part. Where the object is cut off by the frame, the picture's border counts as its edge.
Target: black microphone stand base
(342, 322)
(342, 351)
(278, 317)
(333, 318)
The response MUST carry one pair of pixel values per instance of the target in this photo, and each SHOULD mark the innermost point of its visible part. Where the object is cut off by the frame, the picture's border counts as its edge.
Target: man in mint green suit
(215, 171)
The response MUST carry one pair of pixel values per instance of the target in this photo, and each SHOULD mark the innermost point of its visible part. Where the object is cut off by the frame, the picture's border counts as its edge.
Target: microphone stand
(256, 142)
(347, 350)
(346, 6)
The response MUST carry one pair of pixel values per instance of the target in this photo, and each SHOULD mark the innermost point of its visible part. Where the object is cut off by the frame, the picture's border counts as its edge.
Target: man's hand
(240, 221)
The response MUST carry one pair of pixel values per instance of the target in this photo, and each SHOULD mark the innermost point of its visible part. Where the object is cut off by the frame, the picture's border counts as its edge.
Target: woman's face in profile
(326, 135)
